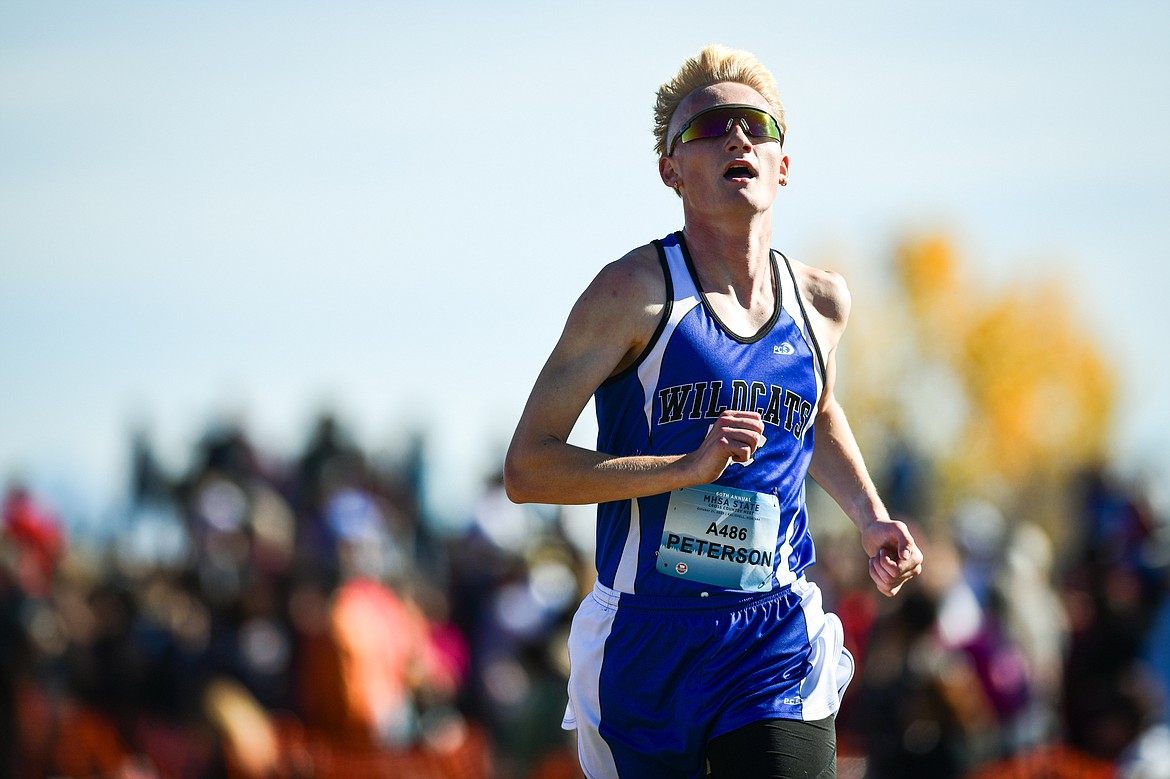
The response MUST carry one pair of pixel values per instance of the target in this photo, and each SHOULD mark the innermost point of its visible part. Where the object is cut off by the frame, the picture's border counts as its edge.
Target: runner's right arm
(606, 331)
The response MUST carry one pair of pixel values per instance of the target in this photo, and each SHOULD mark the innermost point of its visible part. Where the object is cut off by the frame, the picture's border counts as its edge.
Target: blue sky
(260, 209)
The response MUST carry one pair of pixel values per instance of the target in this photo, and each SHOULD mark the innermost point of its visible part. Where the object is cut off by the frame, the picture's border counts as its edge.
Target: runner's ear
(669, 173)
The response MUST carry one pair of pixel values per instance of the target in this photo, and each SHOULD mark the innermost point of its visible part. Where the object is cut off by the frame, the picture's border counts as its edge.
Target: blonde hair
(712, 65)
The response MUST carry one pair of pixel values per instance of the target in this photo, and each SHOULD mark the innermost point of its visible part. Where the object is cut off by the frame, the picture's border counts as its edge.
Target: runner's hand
(734, 437)
(894, 558)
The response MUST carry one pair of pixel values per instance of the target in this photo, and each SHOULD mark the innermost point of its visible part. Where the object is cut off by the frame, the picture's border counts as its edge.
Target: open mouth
(739, 172)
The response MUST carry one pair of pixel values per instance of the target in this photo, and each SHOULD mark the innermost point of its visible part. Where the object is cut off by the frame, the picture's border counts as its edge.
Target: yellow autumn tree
(1004, 391)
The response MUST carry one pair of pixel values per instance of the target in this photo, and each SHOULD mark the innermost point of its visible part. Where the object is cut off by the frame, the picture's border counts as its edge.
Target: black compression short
(776, 749)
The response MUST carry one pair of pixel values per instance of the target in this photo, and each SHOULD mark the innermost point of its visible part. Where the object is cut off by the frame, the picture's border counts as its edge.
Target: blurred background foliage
(995, 392)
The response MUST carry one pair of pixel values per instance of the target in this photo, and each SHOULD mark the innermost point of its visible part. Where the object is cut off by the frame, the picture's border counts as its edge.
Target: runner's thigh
(776, 749)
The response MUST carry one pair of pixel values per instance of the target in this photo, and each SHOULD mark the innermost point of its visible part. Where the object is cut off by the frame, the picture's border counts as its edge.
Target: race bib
(721, 536)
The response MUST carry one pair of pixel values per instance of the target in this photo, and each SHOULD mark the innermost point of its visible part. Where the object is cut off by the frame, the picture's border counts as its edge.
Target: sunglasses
(718, 121)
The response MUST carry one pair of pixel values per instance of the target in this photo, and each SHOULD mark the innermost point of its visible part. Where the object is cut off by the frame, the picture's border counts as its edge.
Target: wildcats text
(703, 400)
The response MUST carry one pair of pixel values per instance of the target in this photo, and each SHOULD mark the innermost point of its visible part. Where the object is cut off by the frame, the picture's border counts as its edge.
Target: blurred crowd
(264, 618)
(1010, 657)
(257, 617)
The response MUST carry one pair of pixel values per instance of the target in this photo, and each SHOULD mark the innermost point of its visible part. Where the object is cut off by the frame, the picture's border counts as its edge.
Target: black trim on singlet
(812, 336)
(777, 303)
(666, 309)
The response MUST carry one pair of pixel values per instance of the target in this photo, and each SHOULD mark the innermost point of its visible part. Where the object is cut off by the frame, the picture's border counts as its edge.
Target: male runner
(711, 359)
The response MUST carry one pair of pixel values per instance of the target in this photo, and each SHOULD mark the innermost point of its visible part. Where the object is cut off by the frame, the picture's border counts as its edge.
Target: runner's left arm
(838, 466)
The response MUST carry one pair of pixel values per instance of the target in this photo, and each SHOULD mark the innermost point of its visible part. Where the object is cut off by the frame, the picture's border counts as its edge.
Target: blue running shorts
(654, 679)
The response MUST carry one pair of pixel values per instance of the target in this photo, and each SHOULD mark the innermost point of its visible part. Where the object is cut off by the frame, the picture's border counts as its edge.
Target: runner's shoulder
(632, 284)
(825, 290)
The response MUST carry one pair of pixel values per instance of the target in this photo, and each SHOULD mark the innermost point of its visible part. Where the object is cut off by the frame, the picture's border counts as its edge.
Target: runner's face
(735, 168)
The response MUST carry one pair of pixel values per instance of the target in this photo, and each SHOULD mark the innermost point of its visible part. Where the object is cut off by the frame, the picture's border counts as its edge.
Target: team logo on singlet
(702, 400)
